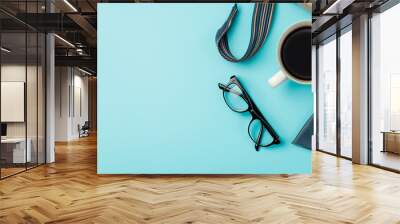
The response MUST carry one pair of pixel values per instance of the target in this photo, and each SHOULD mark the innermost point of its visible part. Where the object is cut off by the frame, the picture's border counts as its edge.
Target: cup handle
(277, 79)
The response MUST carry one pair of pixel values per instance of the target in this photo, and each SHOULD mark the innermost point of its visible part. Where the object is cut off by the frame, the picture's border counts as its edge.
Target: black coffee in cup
(296, 53)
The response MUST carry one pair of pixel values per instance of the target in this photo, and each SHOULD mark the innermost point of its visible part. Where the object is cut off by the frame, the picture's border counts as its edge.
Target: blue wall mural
(160, 110)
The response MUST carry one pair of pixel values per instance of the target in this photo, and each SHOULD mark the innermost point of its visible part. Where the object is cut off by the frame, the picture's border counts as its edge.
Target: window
(346, 94)
(385, 89)
(327, 96)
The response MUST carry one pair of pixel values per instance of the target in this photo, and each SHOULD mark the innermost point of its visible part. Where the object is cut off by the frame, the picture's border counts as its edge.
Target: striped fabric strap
(261, 23)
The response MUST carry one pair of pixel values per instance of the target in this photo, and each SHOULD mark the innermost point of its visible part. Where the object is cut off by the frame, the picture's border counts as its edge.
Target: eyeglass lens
(259, 134)
(233, 98)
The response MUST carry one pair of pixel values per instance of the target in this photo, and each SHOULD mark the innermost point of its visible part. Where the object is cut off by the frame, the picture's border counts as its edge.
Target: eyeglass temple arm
(260, 134)
(267, 125)
(226, 88)
(272, 132)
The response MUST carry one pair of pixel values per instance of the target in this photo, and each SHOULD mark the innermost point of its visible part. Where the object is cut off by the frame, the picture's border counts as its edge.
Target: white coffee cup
(283, 73)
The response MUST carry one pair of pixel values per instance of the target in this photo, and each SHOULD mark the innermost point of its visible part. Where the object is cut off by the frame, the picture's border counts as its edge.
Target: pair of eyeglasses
(238, 100)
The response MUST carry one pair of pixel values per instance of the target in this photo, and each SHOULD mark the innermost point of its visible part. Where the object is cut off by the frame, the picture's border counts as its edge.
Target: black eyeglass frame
(253, 110)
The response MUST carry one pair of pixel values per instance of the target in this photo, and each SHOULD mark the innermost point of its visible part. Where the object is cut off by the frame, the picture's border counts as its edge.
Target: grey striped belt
(261, 23)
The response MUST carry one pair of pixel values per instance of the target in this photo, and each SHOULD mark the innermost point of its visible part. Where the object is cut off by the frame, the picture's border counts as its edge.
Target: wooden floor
(70, 191)
(5, 172)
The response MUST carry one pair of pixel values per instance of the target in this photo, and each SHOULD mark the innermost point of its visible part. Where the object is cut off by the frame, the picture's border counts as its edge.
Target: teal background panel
(159, 108)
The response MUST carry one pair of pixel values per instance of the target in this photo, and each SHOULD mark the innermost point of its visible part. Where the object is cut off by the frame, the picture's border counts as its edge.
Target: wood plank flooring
(70, 191)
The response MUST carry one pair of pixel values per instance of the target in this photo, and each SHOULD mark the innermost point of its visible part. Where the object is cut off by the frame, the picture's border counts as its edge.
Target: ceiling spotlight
(5, 50)
(65, 41)
(70, 5)
(79, 51)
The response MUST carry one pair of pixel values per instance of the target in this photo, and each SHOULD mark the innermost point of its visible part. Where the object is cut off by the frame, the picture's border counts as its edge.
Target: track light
(70, 5)
(332, 8)
(65, 41)
(84, 71)
(5, 50)
(337, 7)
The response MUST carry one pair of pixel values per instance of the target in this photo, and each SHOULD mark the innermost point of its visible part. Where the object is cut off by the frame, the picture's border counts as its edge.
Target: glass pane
(346, 94)
(327, 97)
(13, 86)
(41, 99)
(31, 100)
(31, 87)
(385, 84)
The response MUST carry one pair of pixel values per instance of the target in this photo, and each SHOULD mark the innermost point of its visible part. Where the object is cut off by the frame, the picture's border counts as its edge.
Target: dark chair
(84, 129)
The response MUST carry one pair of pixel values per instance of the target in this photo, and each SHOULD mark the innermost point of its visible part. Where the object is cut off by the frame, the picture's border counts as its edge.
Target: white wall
(12, 73)
(80, 112)
(62, 81)
(70, 109)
